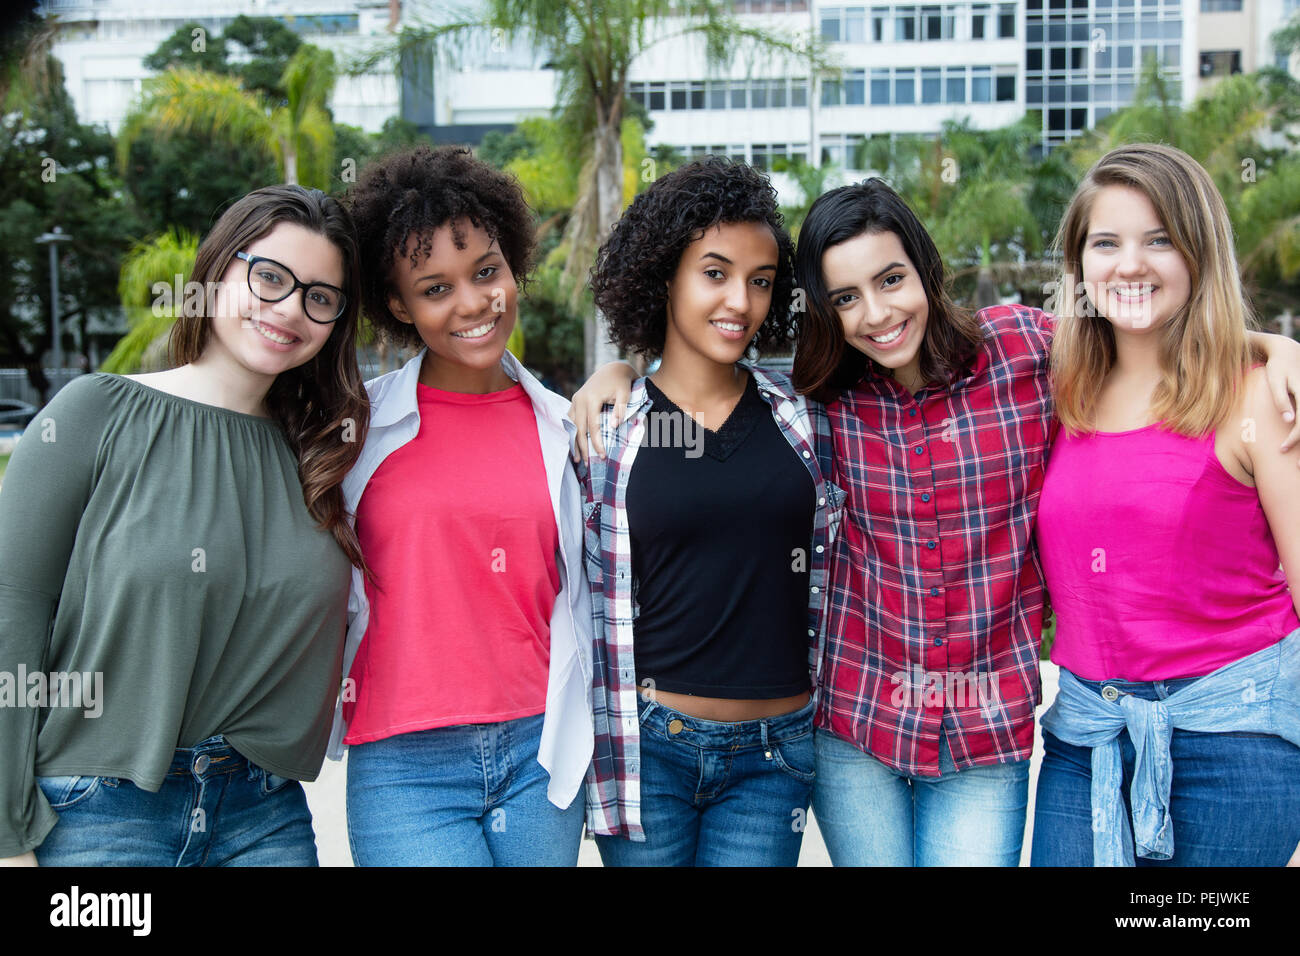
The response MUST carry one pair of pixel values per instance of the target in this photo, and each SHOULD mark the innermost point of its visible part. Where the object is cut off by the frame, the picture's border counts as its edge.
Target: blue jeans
(872, 815)
(1234, 799)
(719, 794)
(467, 795)
(214, 808)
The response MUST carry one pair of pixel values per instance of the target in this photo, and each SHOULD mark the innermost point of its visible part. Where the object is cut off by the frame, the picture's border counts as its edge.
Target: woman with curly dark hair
(469, 644)
(707, 532)
(177, 541)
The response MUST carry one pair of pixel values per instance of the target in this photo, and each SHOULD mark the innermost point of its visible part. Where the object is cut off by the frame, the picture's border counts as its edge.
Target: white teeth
(892, 336)
(477, 333)
(730, 326)
(1128, 292)
(273, 336)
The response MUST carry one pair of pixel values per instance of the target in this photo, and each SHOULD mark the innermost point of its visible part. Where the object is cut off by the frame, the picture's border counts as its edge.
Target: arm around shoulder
(1277, 479)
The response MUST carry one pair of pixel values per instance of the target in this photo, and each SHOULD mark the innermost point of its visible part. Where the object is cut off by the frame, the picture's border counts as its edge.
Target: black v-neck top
(721, 524)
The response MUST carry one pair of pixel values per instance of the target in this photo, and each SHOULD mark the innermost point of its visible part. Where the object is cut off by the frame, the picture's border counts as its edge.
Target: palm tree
(299, 133)
(164, 262)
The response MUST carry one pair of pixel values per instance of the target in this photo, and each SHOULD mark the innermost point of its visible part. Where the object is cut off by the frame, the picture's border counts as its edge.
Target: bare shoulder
(170, 380)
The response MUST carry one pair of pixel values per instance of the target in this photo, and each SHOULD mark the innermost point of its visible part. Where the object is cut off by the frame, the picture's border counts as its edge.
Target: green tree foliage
(53, 171)
(152, 274)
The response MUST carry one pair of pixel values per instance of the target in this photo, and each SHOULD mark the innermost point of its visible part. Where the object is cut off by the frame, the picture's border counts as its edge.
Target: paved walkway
(328, 802)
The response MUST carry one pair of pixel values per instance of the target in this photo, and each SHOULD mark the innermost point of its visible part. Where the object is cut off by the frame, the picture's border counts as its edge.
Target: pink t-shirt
(1159, 563)
(458, 529)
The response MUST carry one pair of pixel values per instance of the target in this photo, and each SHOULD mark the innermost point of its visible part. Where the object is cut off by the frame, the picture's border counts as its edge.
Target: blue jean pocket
(269, 783)
(63, 793)
(797, 756)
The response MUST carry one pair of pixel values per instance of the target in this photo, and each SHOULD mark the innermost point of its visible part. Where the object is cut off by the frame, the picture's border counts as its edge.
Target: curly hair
(634, 265)
(401, 199)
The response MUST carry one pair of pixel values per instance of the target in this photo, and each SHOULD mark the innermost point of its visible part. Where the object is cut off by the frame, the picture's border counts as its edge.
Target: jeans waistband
(1146, 690)
(742, 733)
(207, 758)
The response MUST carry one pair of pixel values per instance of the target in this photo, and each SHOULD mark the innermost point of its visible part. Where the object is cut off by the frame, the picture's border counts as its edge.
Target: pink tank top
(1159, 563)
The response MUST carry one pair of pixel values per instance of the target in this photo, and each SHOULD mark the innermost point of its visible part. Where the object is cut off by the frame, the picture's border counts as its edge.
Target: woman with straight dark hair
(177, 572)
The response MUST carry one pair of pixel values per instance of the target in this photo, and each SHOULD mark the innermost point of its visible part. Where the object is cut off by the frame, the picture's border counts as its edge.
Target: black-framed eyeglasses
(271, 281)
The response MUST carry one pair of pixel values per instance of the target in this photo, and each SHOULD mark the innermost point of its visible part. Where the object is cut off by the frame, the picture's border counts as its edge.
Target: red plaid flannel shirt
(936, 589)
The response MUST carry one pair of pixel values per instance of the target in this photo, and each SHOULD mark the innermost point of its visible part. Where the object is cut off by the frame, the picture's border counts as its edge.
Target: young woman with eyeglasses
(173, 581)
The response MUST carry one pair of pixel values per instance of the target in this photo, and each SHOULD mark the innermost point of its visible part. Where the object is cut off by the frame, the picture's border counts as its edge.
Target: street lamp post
(52, 239)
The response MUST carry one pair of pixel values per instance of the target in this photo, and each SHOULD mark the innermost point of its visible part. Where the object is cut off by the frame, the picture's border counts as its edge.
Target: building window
(879, 87)
(956, 85)
(1220, 6)
(1005, 88)
(904, 23)
(855, 88)
(1006, 20)
(904, 87)
(855, 25)
(1220, 62)
(831, 24)
(932, 85)
(981, 84)
(799, 93)
(978, 16)
(880, 24)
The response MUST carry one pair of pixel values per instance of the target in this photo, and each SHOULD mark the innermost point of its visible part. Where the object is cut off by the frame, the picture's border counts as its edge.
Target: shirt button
(821, 501)
(820, 549)
(920, 449)
(934, 592)
(1110, 693)
(807, 454)
(925, 496)
(938, 642)
(201, 763)
(815, 590)
(811, 632)
(911, 413)
(931, 545)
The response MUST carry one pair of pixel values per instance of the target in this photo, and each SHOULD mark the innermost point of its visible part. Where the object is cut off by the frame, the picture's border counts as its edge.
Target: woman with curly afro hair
(469, 645)
(708, 525)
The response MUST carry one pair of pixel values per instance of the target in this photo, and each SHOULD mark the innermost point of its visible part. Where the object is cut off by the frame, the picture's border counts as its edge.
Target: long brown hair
(321, 405)
(1203, 348)
(823, 364)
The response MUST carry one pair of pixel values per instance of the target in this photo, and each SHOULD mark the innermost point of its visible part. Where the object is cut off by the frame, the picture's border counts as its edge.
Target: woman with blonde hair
(1166, 510)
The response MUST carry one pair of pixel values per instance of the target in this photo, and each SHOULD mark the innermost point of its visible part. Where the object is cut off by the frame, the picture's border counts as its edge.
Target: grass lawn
(4, 461)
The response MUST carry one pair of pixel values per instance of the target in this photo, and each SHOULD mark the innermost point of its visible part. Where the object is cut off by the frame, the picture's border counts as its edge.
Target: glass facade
(1083, 58)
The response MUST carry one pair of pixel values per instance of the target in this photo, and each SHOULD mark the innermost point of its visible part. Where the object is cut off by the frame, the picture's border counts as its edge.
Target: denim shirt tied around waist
(1259, 693)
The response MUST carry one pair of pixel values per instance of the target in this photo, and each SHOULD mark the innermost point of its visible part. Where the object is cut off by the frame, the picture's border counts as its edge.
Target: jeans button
(201, 763)
(1110, 693)
(675, 726)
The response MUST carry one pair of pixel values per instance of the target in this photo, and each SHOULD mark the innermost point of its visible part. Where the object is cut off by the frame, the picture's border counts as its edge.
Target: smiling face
(462, 302)
(1132, 273)
(877, 293)
(261, 338)
(721, 292)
